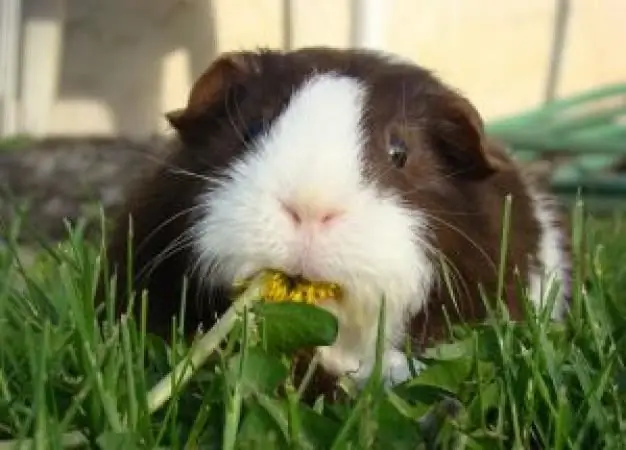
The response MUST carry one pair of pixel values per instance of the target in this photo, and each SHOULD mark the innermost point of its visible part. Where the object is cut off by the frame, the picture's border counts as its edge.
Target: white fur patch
(311, 159)
(551, 274)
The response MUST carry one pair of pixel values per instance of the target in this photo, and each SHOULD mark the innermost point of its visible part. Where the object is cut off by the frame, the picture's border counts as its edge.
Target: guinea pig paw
(399, 368)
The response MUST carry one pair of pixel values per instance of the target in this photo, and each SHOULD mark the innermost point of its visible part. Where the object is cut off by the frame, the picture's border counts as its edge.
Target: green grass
(67, 383)
(15, 143)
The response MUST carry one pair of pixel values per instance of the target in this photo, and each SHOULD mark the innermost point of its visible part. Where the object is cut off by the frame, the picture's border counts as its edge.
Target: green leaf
(406, 409)
(262, 372)
(259, 430)
(288, 326)
(487, 398)
(488, 341)
(483, 439)
(620, 381)
(452, 350)
(318, 430)
(445, 375)
(110, 440)
(396, 429)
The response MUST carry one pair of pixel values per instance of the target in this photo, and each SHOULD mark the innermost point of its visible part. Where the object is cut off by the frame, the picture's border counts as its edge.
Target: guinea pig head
(314, 161)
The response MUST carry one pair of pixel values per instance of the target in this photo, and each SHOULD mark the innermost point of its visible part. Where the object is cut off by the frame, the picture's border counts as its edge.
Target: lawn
(67, 383)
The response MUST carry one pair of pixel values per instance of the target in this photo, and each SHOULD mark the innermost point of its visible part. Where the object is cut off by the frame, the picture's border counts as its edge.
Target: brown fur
(454, 173)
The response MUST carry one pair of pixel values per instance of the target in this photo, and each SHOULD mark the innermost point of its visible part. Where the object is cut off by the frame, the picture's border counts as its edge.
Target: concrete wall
(126, 62)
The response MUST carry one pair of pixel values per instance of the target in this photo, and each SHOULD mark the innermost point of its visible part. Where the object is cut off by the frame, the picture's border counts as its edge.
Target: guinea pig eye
(398, 152)
(253, 129)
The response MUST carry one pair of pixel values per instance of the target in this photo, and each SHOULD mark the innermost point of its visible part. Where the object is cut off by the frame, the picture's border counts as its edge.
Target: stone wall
(45, 183)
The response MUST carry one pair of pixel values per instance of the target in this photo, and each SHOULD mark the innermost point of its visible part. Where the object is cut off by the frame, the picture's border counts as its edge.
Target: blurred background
(85, 82)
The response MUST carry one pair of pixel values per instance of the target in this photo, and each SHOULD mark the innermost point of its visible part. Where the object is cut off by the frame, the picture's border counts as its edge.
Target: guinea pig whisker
(458, 283)
(163, 224)
(180, 243)
(439, 256)
(455, 287)
(149, 268)
(429, 214)
(202, 260)
(207, 261)
(212, 266)
(449, 212)
(465, 236)
(181, 171)
(381, 174)
(451, 174)
(175, 169)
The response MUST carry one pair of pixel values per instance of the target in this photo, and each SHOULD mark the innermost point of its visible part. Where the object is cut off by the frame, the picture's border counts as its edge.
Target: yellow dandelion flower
(279, 287)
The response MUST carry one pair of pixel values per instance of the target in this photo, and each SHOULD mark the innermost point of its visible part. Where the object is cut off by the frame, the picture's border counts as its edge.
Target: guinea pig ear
(459, 138)
(224, 72)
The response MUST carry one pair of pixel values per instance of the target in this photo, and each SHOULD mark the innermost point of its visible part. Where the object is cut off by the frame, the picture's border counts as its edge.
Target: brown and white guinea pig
(348, 166)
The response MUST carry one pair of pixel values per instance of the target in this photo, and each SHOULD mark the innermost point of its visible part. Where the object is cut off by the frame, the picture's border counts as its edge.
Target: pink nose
(298, 217)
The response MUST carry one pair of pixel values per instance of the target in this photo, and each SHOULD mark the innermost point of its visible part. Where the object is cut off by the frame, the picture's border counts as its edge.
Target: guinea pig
(350, 166)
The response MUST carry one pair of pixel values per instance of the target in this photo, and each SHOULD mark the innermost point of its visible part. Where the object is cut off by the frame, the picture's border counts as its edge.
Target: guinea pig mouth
(280, 287)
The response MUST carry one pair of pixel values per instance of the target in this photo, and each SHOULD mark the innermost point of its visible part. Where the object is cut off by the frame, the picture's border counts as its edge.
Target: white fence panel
(10, 18)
